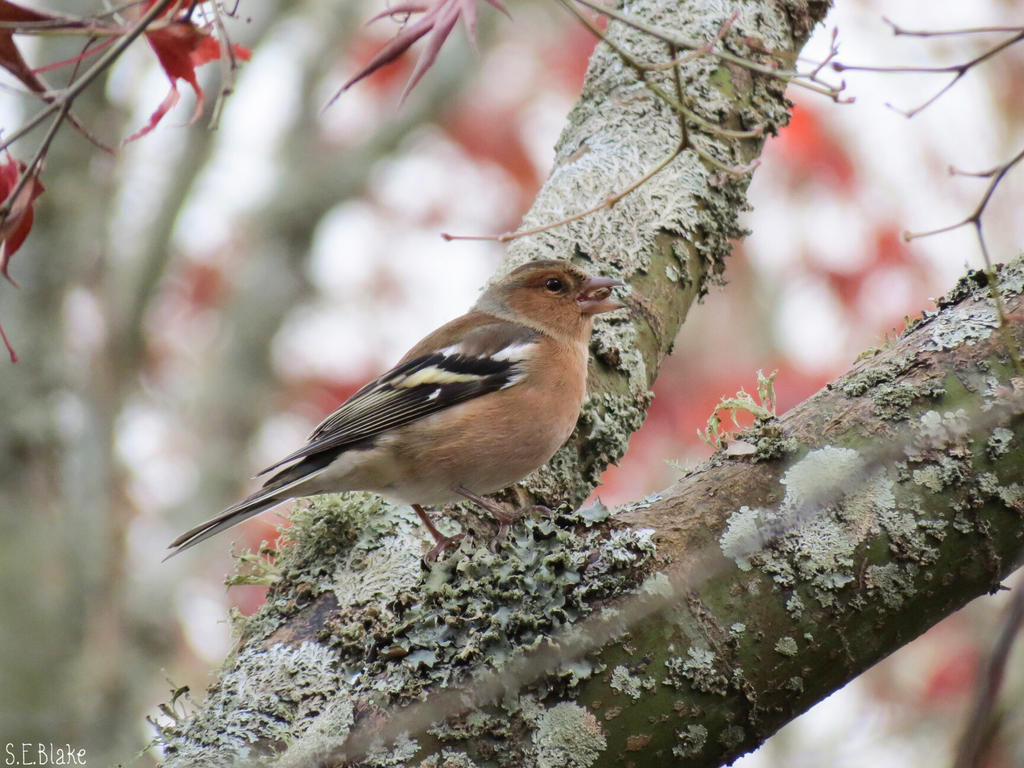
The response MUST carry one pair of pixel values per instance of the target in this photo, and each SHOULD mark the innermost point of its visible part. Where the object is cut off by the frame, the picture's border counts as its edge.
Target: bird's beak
(595, 297)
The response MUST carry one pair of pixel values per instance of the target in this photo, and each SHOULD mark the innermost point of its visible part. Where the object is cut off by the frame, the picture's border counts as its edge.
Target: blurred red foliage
(811, 149)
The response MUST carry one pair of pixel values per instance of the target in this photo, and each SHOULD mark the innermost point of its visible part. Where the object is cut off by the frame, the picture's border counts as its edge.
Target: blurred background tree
(196, 300)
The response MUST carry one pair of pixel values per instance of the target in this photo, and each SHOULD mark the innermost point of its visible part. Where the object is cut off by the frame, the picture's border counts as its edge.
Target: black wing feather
(387, 404)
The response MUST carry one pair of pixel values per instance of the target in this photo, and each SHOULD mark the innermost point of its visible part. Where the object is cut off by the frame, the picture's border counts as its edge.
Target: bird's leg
(442, 542)
(505, 519)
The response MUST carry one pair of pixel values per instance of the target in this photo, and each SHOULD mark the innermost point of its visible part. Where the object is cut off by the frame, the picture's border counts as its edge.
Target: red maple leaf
(181, 46)
(438, 16)
(15, 226)
(10, 57)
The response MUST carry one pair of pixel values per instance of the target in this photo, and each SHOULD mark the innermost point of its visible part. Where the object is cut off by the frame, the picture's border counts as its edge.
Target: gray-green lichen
(449, 758)
(937, 432)
(392, 755)
(690, 741)
(802, 539)
(325, 733)
(1009, 278)
(699, 669)
(742, 536)
(968, 325)
(893, 581)
(765, 440)
(624, 681)
(999, 442)
(893, 400)
(795, 606)
(857, 384)
(732, 736)
(568, 736)
(270, 693)
(658, 584)
(395, 630)
(1012, 494)
(786, 646)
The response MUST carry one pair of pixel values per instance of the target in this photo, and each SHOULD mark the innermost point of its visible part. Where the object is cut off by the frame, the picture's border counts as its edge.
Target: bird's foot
(442, 542)
(538, 510)
(442, 545)
(507, 519)
(505, 522)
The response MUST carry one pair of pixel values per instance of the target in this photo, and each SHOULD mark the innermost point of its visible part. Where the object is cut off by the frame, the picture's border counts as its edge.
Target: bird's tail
(286, 484)
(229, 518)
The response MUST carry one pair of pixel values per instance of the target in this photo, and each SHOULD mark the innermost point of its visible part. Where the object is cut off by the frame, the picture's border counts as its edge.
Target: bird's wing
(488, 358)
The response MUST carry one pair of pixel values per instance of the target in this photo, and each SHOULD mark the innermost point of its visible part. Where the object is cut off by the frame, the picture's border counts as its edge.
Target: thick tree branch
(869, 512)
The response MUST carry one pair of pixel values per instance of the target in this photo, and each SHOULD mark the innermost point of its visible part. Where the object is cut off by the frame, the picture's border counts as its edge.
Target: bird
(473, 408)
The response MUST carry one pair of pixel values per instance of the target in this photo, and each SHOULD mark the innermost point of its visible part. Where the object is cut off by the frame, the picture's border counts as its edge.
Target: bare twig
(61, 101)
(228, 67)
(34, 165)
(643, 69)
(957, 70)
(974, 746)
(71, 24)
(996, 175)
(675, 103)
(974, 218)
(608, 202)
(898, 30)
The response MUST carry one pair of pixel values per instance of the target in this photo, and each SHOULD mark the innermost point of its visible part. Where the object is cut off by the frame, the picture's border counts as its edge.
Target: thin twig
(957, 70)
(974, 744)
(677, 106)
(638, 65)
(228, 68)
(974, 219)
(35, 164)
(898, 30)
(61, 101)
(67, 22)
(996, 174)
(608, 202)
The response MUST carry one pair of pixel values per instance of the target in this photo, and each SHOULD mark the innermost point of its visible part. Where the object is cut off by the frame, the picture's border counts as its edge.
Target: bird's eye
(554, 285)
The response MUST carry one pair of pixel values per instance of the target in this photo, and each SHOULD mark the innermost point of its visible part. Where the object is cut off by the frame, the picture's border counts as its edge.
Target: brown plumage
(472, 408)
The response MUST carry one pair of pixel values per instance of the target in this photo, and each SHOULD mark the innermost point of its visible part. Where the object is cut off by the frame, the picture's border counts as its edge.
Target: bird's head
(554, 296)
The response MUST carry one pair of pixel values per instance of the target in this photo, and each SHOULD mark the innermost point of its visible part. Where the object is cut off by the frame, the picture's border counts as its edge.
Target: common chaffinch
(474, 407)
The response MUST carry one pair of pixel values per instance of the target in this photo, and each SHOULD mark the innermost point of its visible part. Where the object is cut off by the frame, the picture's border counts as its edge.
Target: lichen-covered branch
(691, 625)
(871, 511)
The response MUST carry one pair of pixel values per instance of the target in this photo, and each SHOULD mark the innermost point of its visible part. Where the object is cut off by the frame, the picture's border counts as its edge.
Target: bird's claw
(508, 519)
(443, 544)
(535, 509)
